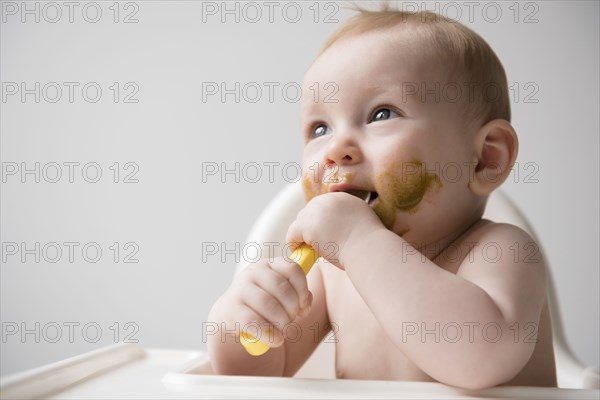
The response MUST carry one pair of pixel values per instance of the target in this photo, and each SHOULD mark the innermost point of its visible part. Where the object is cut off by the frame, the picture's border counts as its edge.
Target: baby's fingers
(283, 292)
(255, 327)
(294, 236)
(296, 278)
(268, 308)
(304, 311)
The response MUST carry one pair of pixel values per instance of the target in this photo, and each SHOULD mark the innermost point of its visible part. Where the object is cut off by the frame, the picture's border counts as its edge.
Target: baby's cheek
(413, 184)
(402, 187)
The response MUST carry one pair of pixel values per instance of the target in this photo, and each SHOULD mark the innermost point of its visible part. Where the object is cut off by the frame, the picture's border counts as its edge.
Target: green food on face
(402, 191)
(307, 187)
(401, 187)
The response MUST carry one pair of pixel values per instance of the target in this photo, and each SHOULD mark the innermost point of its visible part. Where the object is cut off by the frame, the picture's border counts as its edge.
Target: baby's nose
(342, 149)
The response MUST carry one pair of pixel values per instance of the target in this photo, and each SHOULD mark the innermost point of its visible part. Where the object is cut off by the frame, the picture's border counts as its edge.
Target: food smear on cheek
(308, 186)
(402, 187)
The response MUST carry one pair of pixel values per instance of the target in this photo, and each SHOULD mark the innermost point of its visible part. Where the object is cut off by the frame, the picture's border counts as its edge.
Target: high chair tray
(128, 371)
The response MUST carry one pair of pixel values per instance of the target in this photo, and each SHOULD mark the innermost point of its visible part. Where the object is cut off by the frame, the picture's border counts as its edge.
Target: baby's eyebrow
(391, 86)
(374, 89)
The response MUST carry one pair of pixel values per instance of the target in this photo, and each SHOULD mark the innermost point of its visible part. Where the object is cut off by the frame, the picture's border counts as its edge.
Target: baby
(398, 165)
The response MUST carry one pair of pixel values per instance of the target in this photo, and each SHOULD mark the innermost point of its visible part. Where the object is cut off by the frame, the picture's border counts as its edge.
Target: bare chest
(363, 349)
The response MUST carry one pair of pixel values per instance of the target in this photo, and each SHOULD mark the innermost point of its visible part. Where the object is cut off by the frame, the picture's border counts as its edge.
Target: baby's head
(413, 107)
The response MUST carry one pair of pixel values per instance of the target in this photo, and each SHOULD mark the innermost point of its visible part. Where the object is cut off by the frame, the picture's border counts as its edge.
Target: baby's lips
(350, 189)
(332, 175)
(361, 194)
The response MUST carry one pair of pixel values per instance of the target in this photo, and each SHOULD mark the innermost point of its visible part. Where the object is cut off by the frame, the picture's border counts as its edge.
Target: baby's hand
(333, 220)
(269, 295)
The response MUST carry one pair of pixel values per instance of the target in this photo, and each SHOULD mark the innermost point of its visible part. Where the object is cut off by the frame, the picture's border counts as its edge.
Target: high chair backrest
(269, 232)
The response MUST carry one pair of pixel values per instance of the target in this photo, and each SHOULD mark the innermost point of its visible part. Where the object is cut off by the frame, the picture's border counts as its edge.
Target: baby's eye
(383, 113)
(319, 130)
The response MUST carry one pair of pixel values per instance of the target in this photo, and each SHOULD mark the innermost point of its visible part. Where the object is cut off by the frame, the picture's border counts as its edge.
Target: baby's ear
(496, 148)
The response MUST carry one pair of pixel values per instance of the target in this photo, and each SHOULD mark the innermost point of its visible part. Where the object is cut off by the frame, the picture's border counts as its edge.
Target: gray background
(171, 133)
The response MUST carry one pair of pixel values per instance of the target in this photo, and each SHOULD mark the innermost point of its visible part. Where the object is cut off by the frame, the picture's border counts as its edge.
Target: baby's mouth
(372, 198)
(336, 183)
(365, 195)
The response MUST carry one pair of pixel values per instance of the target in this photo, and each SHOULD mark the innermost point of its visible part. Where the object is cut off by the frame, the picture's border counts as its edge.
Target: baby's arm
(268, 293)
(405, 290)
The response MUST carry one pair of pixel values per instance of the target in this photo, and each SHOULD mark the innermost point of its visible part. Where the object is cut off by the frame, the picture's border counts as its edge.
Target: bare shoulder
(490, 230)
(500, 243)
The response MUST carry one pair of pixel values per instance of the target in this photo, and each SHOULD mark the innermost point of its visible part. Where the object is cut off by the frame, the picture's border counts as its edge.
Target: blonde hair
(469, 55)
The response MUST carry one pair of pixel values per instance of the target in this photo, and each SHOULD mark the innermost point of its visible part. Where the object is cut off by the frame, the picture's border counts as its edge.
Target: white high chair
(272, 224)
(129, 371)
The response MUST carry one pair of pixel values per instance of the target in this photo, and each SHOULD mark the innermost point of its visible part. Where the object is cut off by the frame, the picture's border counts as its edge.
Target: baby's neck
(433, 249)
